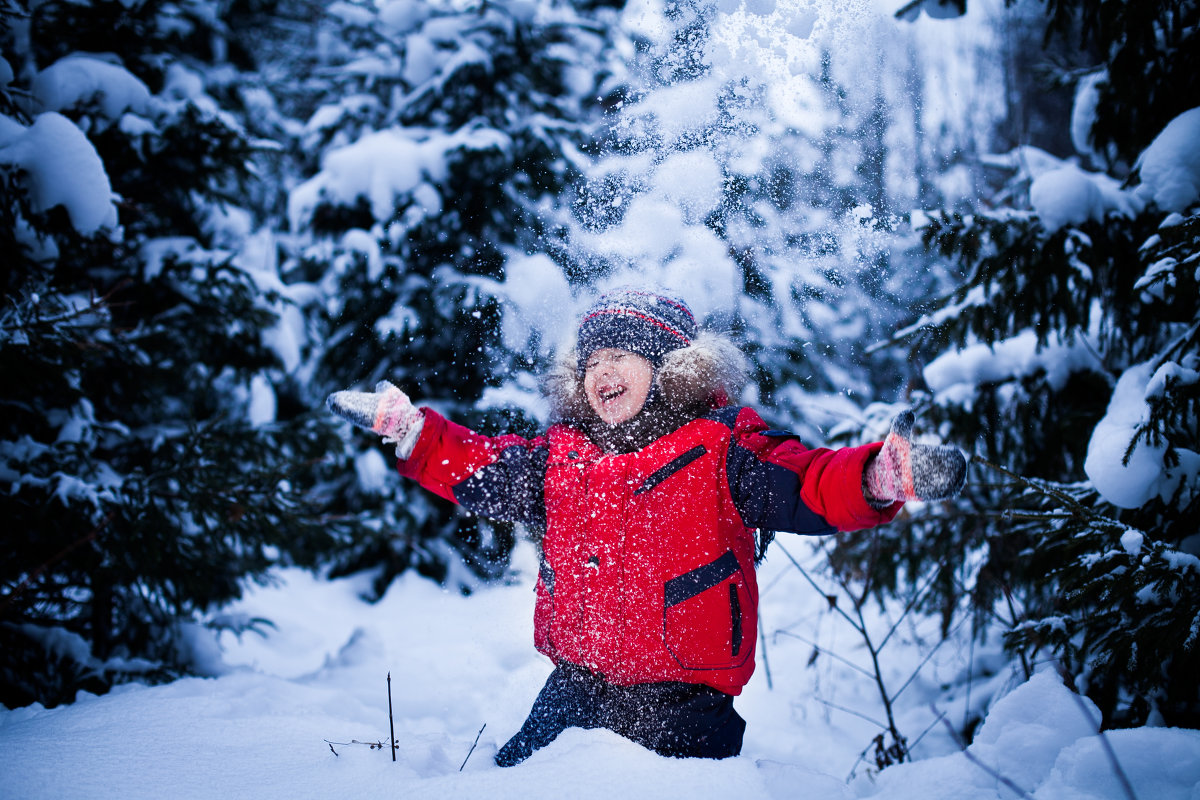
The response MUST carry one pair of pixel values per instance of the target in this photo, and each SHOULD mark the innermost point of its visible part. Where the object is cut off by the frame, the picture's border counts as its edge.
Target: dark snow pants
(672, 719)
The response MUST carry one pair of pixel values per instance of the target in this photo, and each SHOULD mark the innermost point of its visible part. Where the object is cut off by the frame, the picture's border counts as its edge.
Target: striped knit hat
(641, 322)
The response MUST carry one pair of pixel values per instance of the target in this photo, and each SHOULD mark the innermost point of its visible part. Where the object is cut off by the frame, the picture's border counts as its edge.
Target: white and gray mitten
(905, 471)
(386, 411)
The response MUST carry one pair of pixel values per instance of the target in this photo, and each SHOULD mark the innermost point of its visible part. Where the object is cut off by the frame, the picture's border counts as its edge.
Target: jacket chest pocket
(677, 464)
(705, 615)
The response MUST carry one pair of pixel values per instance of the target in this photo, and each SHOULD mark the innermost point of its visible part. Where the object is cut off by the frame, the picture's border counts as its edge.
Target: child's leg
(682, 720)
(569, 699)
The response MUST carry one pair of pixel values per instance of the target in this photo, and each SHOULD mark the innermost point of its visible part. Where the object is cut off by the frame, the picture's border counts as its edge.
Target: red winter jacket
(647, 568)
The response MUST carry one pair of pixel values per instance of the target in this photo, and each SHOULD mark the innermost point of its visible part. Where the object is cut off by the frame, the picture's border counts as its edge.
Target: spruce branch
(1029, 516)
(1180, 345)
(67, 315)
(8, 599)
(1048, 489)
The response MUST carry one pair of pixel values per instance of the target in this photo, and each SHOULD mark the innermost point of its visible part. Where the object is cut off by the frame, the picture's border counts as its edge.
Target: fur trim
(709, 371)
(563, 389)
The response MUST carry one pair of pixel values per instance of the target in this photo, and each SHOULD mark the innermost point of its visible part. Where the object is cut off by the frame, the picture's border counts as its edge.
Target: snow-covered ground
(258, 728)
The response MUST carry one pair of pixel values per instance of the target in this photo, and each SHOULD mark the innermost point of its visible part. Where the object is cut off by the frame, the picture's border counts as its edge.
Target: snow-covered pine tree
(442, 138)
(153, 454)
(768, 206)
(812, 230)
(1070, 358)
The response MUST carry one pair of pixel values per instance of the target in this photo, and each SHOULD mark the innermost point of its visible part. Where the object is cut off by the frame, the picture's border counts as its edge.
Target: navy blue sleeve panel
(779, 484)
(768, 495)
(512, 488)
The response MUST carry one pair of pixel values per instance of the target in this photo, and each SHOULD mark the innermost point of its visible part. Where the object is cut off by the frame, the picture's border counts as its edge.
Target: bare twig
(1108, 750)
(873, 651)
(861, 758)
(912, 603)
(391, 721)
(940, 716)
(970, 682)
(762, 635)
(860, 625)
(376, 745)
(897, 739)
(925, 660)
(851, 711)
(813, 583)
(975, 760)
(823, 651)
(472, 750)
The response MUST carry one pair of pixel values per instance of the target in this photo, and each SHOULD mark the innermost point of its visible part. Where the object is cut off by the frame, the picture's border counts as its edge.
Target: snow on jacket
(647, 569)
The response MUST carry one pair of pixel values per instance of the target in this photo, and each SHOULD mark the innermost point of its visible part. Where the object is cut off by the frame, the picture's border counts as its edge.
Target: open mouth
(608, 394)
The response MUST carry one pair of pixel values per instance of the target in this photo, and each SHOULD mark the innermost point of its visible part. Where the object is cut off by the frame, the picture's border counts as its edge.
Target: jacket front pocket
(543, 611)
(703, 615)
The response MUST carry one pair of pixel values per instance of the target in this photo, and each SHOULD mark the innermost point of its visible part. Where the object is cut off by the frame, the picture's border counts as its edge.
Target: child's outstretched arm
(778, 483)
(500, 477)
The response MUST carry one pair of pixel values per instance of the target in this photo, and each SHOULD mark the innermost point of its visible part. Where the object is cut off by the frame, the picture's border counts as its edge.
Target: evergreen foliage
(144, 481)
(309, 198)
(782, 231)
(1151, 52)
(488, 107)
(167, 439)
(1110, 594)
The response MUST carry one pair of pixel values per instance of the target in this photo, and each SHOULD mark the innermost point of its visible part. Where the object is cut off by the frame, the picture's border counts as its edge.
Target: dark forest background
(312, 196)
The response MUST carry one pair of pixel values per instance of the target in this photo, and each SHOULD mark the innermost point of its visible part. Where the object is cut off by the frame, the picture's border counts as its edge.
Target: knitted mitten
(906, 471)
(386, 411)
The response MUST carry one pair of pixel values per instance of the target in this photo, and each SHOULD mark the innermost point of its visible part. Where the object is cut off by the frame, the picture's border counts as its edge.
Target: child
(647, 492)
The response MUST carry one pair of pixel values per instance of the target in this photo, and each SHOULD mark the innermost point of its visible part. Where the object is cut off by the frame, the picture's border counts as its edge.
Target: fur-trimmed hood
(709, 372)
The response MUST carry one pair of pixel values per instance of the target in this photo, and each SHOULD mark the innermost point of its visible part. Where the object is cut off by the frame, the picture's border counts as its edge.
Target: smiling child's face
(617, 383)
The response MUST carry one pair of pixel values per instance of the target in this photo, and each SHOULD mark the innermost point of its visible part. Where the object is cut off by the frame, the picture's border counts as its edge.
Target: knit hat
(641, 322)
